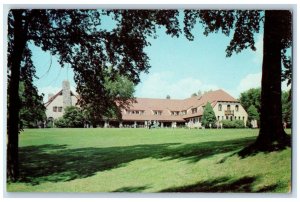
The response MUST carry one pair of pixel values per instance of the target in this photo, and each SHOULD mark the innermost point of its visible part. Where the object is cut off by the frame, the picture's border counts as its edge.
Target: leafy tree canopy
(78, 38)
(287, 107)
(32, 108)
(244, 24)
(251, 97)
(252, 113)
(73, 117)
(122, 89)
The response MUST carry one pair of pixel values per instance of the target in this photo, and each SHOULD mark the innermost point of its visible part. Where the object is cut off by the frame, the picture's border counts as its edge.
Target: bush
(61, 123)
(72, 118)
(233, 124)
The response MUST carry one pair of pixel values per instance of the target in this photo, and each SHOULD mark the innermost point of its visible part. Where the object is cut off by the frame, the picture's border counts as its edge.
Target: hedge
(233, 124)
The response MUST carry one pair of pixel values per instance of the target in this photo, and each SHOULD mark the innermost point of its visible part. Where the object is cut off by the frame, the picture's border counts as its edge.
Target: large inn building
(162, 112)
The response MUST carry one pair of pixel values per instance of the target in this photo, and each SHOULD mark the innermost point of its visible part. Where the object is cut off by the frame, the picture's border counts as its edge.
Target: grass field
(141, 160)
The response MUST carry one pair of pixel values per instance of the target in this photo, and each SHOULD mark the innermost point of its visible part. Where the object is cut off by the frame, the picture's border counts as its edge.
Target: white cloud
(159, 85)
(250, 81)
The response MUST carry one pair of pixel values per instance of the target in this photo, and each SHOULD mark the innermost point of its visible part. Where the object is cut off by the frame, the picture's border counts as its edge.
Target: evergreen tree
(208, 116)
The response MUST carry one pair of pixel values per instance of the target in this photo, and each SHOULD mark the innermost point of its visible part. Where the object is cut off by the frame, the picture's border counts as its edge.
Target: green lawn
(142, 160)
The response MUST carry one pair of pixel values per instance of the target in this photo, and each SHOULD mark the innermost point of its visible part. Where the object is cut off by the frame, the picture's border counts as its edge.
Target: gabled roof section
(55, 96)
(212, 97)
(217, 95)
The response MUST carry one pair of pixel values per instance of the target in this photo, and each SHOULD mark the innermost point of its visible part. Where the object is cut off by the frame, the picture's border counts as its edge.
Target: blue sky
(178, 67)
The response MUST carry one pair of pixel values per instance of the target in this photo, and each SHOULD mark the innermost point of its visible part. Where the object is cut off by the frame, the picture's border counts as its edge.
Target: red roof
(149, 105)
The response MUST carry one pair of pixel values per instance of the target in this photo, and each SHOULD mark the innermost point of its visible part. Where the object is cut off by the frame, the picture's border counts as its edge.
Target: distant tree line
(251, 101)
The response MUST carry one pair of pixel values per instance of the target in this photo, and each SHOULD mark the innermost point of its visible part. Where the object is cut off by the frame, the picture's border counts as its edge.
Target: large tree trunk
(271, 128)
(19, 42)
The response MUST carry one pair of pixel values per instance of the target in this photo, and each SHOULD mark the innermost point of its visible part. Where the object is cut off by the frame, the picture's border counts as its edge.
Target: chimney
(66, 92)
(50, 95)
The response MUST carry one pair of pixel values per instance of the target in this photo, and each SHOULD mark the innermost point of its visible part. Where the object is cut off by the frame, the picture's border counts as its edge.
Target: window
(236, 108)
(239, 118)
(220, 107)
(157, 112)
(183, 112)
(226, 117)
(55, 109)
(194, 110)
(59, 109)
(139, 112)
(243, 118)
(174, 113)
(228, 107)
(218, 118)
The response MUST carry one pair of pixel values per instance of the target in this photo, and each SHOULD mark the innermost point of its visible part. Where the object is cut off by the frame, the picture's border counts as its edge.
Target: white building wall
(58, 102)
(241, 114)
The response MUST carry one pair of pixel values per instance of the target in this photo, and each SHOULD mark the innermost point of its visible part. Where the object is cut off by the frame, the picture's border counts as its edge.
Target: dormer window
(157, 112)
(174, 113)
(194, 110)
(139, 112)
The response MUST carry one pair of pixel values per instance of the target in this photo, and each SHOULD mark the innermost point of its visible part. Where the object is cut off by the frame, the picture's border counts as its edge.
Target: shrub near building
(233, 124)
(72, 118)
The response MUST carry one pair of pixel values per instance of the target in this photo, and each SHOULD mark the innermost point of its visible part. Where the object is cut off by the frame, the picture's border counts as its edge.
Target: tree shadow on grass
(132, 189)
(224, 184)
(260, 146)
(54, 163)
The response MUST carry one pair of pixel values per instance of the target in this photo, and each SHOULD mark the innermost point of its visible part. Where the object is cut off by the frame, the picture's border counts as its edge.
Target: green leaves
(287, 107)
(32, 109)
(251, 97)
(252, 113)
(208, 116)
(244, 23)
